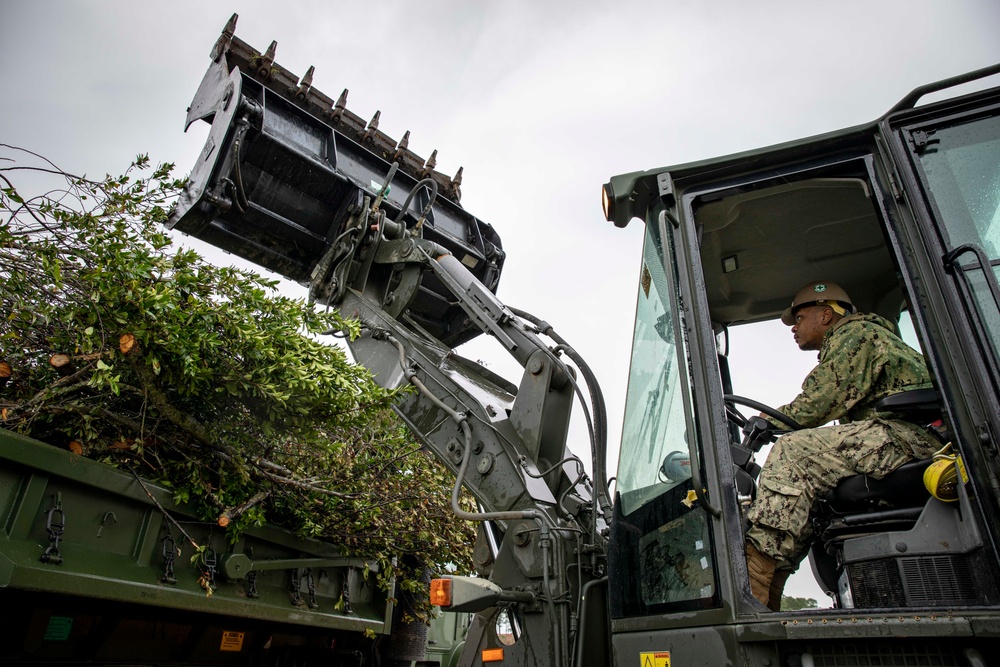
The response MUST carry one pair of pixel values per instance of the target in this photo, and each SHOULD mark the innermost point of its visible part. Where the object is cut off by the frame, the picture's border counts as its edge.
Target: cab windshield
(662, 550)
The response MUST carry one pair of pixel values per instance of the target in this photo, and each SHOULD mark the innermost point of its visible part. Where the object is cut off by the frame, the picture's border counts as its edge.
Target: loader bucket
(285, 167)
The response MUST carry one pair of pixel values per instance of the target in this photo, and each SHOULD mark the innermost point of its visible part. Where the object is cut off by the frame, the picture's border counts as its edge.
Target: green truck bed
(96, 566)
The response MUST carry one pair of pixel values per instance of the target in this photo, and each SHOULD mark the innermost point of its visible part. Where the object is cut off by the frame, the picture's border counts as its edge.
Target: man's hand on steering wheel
(757, 431)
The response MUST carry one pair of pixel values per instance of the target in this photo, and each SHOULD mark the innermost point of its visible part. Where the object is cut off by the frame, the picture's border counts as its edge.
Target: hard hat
(819, 293)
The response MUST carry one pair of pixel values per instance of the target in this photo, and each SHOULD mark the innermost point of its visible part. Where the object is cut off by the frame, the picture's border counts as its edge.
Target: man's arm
(848, 367)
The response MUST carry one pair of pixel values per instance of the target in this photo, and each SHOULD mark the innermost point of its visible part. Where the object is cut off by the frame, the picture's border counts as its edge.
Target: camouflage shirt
(861, 361)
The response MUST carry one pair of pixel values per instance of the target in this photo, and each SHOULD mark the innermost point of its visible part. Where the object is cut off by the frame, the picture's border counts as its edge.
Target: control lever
(757, 432)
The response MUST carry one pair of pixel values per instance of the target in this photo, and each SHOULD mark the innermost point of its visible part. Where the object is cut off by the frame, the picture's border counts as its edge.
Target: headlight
(608, 202)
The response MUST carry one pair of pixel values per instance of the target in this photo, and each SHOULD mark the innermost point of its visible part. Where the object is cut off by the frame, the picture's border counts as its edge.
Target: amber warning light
(441, 592)
(492, 655)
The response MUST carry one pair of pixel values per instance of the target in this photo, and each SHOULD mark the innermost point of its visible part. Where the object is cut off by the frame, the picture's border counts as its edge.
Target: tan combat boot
(777, 588)
(761, 569)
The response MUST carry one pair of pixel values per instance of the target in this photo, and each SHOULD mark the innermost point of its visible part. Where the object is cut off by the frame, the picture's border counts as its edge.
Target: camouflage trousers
(803, 465)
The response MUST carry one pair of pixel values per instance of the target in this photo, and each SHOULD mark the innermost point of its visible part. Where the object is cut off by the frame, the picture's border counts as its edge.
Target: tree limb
(178, 418)
(236, 512)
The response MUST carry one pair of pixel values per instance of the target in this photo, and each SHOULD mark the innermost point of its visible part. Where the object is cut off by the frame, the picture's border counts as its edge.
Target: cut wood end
(223, 521)
(59, 360)
(61, 363)
(127, 343)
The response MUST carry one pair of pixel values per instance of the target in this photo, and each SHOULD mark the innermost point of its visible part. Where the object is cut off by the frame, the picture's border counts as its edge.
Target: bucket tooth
(230, 28)
(266, 60)
(429, 165)
(456, 185)
(338, 108)
(305, 84)
(225, 39)
(401, 146)
(372, 127)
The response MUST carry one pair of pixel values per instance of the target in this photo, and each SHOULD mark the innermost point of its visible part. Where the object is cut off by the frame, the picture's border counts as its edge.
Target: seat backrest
(921, 406)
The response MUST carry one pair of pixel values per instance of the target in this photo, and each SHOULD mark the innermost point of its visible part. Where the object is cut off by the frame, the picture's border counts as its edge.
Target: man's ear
(826, 317)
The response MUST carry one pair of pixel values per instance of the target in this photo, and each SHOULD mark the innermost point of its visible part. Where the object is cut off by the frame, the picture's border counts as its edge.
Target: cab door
(945, 163)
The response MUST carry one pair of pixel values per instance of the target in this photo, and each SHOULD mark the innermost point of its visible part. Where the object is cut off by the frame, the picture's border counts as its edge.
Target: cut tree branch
(307, 487)
(236, 512)
(129, 346)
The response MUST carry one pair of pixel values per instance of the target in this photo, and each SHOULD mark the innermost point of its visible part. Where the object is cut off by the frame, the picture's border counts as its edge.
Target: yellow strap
(941, 480)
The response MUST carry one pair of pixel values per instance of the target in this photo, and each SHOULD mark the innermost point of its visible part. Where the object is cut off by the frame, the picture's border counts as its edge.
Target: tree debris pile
(123, 347)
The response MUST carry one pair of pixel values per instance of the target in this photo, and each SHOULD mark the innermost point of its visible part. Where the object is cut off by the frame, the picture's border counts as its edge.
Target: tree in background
(789, 603)
(122, 347)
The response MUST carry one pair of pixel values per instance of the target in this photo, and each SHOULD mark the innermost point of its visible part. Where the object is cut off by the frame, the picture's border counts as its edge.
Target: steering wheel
(756, 434)
(732, 400)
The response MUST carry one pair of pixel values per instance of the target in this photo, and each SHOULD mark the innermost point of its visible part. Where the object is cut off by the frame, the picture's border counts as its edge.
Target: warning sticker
(58, 629)
(233, 641)
(655, 659)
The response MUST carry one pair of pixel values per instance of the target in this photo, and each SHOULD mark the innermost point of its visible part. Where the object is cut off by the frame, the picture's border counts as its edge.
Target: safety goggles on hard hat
(838, 307)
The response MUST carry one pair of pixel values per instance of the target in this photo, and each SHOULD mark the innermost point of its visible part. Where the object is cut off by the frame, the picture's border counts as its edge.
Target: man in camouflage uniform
(861, 360)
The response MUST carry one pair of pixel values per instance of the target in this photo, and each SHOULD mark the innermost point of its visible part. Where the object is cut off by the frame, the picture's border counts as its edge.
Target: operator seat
(861, 505)
(903, 487)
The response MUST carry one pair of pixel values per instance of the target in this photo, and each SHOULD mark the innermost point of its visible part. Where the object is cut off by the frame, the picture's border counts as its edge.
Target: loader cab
(905, 215)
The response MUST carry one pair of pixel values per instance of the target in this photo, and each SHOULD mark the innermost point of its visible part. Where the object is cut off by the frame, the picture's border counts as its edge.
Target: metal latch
(55, 526)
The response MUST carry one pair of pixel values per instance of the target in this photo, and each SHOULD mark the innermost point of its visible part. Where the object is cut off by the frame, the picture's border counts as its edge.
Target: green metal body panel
(112, 560)
(446, 639)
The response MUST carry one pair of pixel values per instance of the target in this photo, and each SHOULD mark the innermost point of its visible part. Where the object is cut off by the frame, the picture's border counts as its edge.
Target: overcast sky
(541, 102)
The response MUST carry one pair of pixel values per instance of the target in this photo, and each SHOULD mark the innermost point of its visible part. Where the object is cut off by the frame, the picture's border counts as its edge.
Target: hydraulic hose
(430, 202)
(545, 541)
(599, 407)
(580, 473)
(463, 423)
(545, 535)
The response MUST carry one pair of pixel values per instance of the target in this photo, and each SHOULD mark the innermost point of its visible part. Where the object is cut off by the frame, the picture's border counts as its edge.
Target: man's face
(811, 323)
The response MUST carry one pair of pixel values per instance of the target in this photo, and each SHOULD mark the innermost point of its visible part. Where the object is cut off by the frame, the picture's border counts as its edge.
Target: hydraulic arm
(291, 179)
